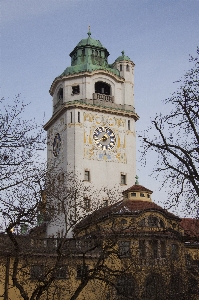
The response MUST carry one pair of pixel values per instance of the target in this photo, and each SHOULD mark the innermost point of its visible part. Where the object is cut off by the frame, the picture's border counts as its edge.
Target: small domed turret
(123, 57)
(138, 192)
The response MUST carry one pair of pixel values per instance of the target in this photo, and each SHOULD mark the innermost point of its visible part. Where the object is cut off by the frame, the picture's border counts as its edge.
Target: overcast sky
(38, 35)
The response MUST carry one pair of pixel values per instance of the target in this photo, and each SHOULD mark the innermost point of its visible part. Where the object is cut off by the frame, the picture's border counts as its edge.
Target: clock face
(104, 138)
(56, 144)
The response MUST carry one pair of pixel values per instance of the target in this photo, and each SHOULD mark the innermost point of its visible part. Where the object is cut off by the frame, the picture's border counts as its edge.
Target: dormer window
(75, 90)
(133, 194)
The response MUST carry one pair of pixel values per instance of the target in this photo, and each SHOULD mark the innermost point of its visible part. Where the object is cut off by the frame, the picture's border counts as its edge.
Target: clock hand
(104, 138)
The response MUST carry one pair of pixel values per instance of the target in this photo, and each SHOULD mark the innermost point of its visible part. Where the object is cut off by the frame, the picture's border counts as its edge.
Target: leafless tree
(175, 139)
(31, 257)
(20, 143)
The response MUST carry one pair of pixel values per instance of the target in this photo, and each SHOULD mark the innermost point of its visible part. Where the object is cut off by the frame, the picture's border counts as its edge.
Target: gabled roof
(125, 207)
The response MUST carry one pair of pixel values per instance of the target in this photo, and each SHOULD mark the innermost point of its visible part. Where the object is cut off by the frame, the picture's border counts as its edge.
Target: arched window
(102, 88)
(142, 223)
(126, 287)
(127, 68)
(152, 221)
(123, 222)
(60, 95)
(176, 287)
(161, 224)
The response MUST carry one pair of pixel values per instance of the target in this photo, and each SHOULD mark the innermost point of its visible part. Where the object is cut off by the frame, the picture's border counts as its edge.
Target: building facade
(133, 249)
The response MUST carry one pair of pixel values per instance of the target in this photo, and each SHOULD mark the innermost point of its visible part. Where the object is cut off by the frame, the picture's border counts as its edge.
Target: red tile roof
(127, 207)
(137, 188)
(190, 226)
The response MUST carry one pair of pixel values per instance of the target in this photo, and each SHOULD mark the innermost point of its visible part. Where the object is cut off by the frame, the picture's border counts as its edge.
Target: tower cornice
(91, 107)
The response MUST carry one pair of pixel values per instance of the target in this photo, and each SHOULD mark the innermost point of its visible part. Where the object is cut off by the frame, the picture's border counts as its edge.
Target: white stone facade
(79, 111)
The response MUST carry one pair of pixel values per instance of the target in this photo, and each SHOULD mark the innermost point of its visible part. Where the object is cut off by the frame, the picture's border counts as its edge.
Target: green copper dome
(123, 57)
(89, 55)
(90, 41)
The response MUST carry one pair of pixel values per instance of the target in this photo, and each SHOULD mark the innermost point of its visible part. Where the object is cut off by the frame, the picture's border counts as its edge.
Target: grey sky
(38, 35)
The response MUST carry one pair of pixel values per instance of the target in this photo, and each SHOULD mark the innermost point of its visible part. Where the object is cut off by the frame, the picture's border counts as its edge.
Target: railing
(103, 97)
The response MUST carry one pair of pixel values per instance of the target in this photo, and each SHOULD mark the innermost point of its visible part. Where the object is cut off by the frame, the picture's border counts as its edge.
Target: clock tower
(91, 133)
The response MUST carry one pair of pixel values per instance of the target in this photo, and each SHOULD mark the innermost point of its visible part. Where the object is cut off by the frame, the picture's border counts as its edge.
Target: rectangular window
(142, 195)
(142, 248)
(124, 248)
(75, 90)
(87, 175)
(71, 117)
(174, 251)
(62, 272)
(154, 249)
(133, 194)
(163, 249)
(37, 271)
(120, 67)
(129, 124)
(123, 179)
(87, 204)
(82, 271)
(78, 116)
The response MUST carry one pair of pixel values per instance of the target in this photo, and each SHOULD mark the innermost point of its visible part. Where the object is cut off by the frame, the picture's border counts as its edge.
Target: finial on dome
(89, 31)
(122, 52)
(136, 182)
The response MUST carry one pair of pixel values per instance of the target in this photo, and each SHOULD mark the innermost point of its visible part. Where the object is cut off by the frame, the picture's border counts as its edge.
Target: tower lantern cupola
(88, 55)
(137, 193)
